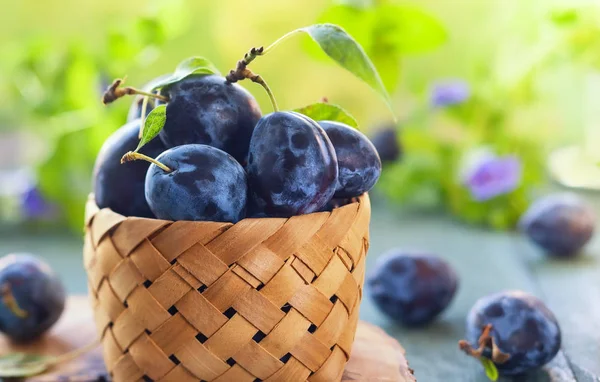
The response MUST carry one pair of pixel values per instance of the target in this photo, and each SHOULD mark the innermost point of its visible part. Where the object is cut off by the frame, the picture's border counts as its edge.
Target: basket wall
(268, 299)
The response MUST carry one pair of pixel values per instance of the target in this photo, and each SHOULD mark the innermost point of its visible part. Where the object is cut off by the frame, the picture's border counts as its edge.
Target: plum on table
(32, 297)
(121, 187)
(292, 166)
(561, 224)
(206, 109)
(358, 162)
(412, 288)
(197, 182)
(386, 143)
(514, 329)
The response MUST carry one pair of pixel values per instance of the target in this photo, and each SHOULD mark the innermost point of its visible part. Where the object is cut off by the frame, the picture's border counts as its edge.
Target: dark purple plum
(292, 166)
(206, 109)
(135, 110)
(358, 162)
(561, 224)
(522, 327)
(337, 203)
(205, 184)
(387, 144)
(121, 187)
(32, 297)
(412, 288)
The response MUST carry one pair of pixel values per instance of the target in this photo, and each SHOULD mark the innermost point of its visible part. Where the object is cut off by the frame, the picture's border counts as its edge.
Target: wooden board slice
(375, 355)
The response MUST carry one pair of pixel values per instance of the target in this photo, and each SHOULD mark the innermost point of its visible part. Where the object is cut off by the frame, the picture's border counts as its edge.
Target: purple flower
(34, 205)
(449, 92)
(489, 176)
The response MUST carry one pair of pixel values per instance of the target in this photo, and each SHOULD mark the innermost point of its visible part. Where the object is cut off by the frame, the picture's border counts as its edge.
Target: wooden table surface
(486, 261)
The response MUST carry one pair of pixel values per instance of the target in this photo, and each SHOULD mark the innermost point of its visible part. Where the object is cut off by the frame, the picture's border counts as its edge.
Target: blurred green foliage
(56, 90)
(429, 174)
(523, 60)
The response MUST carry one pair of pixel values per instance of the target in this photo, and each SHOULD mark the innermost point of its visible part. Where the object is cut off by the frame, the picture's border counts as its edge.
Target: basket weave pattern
(264, 299)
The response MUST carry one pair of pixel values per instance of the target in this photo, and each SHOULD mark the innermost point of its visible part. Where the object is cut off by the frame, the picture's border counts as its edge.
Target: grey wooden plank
(571, 288)
(486, 262)
(62, 251)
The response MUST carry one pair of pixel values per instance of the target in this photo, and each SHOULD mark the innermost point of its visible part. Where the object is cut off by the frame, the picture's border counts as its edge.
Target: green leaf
(387, 33)
(189, 66)
(153, 124)
(490, 368)
(327, 112)
(21, 365)
(348, 53)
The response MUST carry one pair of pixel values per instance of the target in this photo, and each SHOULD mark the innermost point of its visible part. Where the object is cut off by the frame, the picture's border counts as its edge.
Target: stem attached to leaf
(280, 40)
(131, 156)
(241, 72)
(11, 303)
(115, 91)
(259, 80)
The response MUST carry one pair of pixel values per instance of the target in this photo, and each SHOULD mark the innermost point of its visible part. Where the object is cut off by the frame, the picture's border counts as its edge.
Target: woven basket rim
(91, 199)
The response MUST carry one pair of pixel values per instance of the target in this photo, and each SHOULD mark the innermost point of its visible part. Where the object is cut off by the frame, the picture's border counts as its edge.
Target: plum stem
(241, 72)
(259, 80)
(8, 298)
(115, 91)
(131, 156)
(143, 116)
(486, 341)
(280, 40)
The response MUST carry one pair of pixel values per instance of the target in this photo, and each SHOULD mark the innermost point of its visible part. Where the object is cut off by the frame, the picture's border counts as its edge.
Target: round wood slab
(375, 355)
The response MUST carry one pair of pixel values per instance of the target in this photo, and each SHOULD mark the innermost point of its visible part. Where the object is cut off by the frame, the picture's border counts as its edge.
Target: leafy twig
(241, 72)
(115, 91)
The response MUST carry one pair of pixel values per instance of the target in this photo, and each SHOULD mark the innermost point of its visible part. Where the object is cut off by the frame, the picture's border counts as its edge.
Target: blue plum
(121, 187)
(358, 162)
(337, 203)
(206, 109)
(292, 166)
(412, 288)
(523, 329)
(204, 184)
(561, 224)
(387, 144)
(32, 298)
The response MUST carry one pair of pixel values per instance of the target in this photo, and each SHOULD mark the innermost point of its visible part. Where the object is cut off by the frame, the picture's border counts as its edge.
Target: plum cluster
(218, 158)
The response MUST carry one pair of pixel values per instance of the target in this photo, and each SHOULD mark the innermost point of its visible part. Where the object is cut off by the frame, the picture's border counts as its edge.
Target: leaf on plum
(490, 368)
(189, 66)
(327, 112)
(153, 124)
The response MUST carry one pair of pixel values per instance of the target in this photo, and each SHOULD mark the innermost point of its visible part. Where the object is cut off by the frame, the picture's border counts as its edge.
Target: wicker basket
(264, 299)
